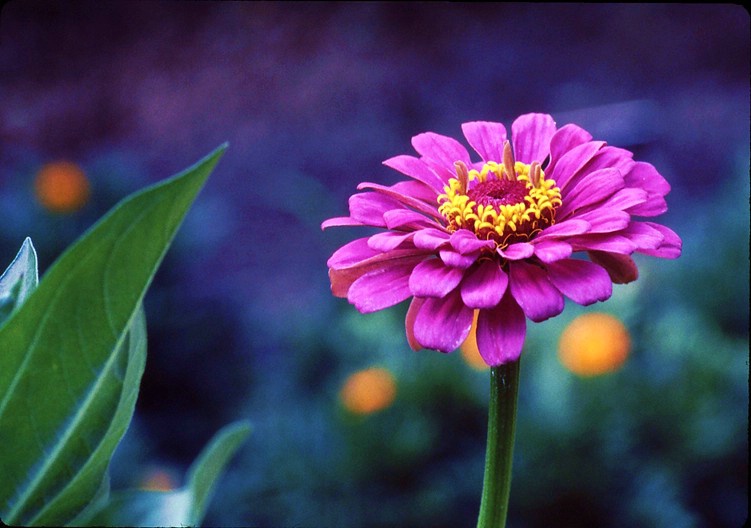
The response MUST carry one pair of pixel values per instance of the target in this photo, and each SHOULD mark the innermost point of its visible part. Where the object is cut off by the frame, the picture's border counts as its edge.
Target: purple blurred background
(312, 97)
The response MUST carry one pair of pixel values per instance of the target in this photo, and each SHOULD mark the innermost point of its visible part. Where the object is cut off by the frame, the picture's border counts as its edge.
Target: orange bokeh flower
(469, 350)
(594, 343)
(61, 187)
(368, 391)
(158, 480)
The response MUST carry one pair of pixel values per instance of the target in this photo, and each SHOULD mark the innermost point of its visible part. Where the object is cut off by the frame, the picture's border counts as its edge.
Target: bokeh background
(312, 97)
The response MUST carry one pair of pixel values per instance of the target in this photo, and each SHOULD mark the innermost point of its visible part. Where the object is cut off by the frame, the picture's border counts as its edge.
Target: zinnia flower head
(505, 235)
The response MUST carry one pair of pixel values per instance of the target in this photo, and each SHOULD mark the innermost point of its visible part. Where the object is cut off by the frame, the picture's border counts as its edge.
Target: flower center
(506, 202)
(498, 192)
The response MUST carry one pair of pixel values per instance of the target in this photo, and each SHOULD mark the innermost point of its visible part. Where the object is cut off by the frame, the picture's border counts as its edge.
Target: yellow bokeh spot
(61, 187)
(469, 350)
(594, 343)
(368, 391)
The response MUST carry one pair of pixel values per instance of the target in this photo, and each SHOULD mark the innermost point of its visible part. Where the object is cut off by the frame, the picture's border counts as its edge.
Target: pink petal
(626, 198)
(405, 200)
(431, 239)
(596, 187)
(484, 285)
(342, 276)
(567, 228)
(566, 138)
(611, 243)
(604, 220)
(552, 250)
(572, 162)
(530, 286)
(645, 176)
(518, 251)
(389, 240)
(466, 242)
(605, 158)
(581, 281)
(431, 278)
(409, 323)
(443, 324)
(457, 260)
(643, 235)
(621, 268)
(486, 138)
(340, 221)
(500, 332)
(610, 157)
(406, 218)
(653, 206)
(382, 287)
(370, 207)
(439, 153)
(417, 169)
(530, 136)
(351, 253)
(418, 190)
(671, 246)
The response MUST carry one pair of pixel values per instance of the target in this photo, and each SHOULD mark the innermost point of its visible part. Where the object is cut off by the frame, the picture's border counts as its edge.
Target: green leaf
(185, 506)
(71, 355)
(121, 382)
(19, 280)
(209, 465)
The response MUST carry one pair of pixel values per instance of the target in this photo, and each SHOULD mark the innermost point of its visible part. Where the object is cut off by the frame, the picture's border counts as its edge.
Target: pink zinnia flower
(499, 235)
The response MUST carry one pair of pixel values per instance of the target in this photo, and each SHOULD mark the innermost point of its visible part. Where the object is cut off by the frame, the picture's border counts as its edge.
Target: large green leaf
(185, 506)
(119, 392)
(70, 356)
(19, 280)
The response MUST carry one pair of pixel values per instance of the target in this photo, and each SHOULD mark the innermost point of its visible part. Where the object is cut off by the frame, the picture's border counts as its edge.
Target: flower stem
(499, 454)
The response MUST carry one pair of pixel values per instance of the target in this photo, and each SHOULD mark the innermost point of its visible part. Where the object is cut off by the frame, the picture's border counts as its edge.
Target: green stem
(499, 454)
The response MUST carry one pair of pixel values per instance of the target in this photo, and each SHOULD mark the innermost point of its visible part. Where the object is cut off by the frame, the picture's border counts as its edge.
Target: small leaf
(209, 465)
(185, 506)
(19, 280)
(70, 357)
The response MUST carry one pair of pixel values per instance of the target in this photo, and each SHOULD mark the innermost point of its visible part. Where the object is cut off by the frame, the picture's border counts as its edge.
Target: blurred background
(638, 421)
